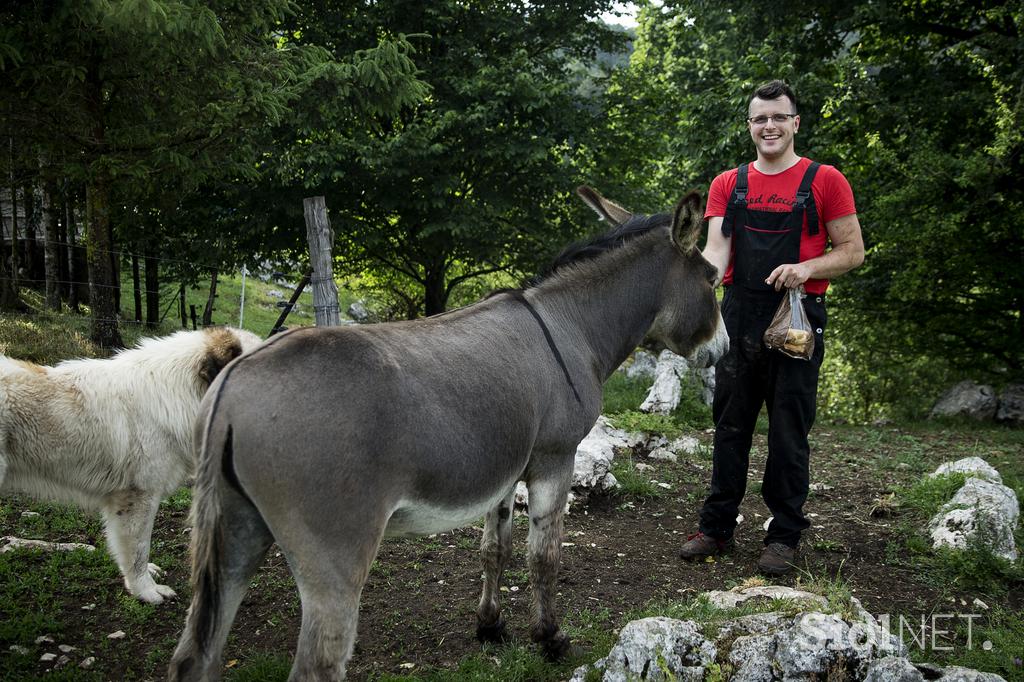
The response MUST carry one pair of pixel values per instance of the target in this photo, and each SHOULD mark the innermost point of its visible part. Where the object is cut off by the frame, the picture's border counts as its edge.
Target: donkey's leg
(330, 564)
(548, 495)
(129, 517)
(495, 549)
(235, 548)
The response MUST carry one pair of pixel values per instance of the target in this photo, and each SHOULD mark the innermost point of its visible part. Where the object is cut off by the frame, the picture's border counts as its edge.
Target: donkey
(418, 427)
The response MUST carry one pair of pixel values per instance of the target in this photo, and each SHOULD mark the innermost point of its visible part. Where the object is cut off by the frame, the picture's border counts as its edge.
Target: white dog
(113, 435)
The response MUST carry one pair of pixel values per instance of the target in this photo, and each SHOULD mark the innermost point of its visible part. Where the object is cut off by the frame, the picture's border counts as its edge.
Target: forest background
(164, 143)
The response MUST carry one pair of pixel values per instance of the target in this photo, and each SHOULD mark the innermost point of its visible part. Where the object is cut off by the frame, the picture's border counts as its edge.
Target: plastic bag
(790, 331)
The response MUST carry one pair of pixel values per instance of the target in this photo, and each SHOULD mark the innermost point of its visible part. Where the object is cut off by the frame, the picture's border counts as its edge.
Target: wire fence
(168, 293)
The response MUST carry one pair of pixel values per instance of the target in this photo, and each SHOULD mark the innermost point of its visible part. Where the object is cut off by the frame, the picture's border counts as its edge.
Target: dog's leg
(548, 494)
(495, 550)
(129, 522)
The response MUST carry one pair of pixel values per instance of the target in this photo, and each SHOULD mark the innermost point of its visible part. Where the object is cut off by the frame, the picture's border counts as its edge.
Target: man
(769, 225)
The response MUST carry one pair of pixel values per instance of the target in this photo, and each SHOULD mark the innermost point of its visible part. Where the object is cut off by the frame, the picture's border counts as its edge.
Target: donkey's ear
(686, 222)
(606, 209)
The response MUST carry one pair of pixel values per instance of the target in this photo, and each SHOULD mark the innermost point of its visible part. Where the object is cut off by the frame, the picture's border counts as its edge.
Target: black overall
(750, 375)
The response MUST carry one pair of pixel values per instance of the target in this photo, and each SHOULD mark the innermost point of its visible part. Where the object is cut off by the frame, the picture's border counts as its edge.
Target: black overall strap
(518, 295)
(737, 201)
(805, 202)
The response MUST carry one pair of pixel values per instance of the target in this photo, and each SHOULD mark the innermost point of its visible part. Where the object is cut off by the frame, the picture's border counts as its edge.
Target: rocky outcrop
(671, 374)
(968, 399)
(765, 647)
(981, 512)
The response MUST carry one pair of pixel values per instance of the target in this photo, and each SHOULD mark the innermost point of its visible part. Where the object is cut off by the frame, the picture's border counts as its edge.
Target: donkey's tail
(208, 532)
(191, 657)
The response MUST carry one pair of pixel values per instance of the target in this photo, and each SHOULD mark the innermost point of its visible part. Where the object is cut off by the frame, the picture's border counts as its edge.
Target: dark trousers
(748, 377)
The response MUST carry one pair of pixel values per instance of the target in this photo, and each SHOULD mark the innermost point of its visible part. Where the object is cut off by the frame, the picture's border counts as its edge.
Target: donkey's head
(688, 320)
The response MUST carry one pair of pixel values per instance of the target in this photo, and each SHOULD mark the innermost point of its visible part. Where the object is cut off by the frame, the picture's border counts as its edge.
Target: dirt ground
(620, 553)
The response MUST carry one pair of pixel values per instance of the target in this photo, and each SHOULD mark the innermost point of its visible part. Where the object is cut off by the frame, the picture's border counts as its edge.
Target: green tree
(474, 180)
(149, 100)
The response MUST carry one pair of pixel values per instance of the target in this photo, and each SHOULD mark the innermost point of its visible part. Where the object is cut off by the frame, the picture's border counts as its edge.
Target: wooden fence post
(321, 239)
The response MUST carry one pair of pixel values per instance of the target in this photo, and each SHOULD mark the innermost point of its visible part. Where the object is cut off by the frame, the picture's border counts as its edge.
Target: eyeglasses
(776, 118)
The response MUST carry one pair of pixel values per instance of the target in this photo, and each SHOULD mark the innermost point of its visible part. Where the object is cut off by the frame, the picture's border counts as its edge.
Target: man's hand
(790, 276)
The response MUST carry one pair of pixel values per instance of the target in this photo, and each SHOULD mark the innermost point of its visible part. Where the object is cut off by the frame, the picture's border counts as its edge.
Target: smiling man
(778, 223)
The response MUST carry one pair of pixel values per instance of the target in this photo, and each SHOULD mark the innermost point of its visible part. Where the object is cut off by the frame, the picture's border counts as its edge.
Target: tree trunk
(51, 245)
(9, 301)
(28, 198)
(98, 236)
(104, 330)
(136, 288)
(14, 228)
(63, 263)
(152, 268)
(181, 307)
(208, 311)
(435, 294)
(74, 269)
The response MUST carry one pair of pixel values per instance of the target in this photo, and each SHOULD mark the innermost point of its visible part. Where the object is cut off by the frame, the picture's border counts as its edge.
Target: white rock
(649, 647)
(686, 445)
(1011, 404)
(969, 399)
(14, 543)
(972, 466)
(981, 510)
(118, 634)
(642, 365)
(732, 598)
(664, 395)
(66, 648)
(47, 657)
(44, 639)
(893, 669)
(87, 662)
(662, 455)
(751, 657)
(29, 514)
(18, 649)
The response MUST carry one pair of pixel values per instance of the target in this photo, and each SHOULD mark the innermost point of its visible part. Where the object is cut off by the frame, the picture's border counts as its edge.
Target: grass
(632, 482)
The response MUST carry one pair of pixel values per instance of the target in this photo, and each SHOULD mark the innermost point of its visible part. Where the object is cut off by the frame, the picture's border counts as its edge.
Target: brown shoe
(700, 546)
(777, 559)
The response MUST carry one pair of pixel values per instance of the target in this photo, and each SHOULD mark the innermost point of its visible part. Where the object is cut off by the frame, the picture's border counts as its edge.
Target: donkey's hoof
(556, 647)
(495, 633)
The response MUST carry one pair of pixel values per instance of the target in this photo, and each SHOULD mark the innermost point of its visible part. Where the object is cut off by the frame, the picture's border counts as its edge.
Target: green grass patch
(974, 568)
(623, 394)
(261, 668)
(925, 497)
(633, 483)
(646, 423)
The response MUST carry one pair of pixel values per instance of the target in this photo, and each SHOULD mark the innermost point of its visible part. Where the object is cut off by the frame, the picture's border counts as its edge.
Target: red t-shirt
(833, 199)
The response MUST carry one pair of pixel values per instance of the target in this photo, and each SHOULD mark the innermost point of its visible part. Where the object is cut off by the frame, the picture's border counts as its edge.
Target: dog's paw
(155, 571)
(156, 594)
